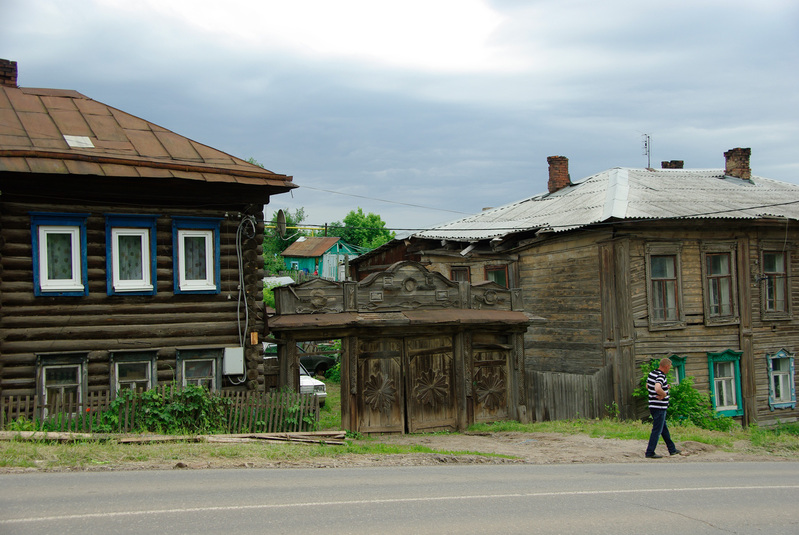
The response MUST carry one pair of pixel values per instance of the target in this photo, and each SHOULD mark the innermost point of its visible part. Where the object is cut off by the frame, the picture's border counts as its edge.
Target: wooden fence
(564, 396)
(245, 412)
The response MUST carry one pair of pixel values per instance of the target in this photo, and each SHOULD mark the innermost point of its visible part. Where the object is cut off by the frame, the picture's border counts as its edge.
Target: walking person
(658, 387)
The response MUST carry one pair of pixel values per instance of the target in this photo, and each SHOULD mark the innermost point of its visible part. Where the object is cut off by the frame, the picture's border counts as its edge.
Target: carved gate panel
(381, 403)
(490, 380)
(431, 384)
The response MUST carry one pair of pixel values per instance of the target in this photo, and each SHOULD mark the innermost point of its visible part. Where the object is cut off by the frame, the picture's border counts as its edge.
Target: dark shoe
(675, 452)
(654, 456)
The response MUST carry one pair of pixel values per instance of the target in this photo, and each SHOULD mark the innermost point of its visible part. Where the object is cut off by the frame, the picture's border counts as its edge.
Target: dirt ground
(542, 448)
(526, 448)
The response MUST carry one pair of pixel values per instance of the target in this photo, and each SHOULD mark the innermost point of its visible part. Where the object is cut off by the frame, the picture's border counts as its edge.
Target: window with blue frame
(59, 254)
(724, 371)
(781, 387)
(196, 254)
(130, 254)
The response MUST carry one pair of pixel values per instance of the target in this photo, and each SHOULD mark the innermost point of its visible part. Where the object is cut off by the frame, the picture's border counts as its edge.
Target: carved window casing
(775, 281)
(664, 286)
(720, 283)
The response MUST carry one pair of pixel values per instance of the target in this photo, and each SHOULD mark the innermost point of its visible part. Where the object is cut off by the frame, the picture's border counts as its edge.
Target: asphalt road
(649, 498)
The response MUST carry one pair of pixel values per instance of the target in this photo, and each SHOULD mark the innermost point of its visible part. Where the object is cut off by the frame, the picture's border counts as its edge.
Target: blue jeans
(659, 428)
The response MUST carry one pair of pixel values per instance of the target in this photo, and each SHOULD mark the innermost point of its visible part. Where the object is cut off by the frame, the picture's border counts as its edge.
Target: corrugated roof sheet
(310, 247)
(630, 194)
(33, 123)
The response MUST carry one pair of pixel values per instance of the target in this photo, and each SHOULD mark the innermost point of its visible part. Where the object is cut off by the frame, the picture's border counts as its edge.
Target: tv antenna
(280, 223)
(647, 150)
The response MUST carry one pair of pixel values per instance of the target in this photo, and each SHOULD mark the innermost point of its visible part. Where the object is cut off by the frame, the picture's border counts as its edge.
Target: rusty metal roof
(56, 131)
(631, 194)
(310, 247)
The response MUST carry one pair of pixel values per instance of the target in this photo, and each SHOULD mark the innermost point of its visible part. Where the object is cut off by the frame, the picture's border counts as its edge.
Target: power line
(386, 201)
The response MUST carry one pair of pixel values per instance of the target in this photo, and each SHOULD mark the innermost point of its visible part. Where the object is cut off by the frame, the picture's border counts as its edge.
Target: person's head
(665, 365)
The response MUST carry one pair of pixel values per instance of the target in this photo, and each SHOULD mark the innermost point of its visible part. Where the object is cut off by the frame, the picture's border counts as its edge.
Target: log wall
(99, 324)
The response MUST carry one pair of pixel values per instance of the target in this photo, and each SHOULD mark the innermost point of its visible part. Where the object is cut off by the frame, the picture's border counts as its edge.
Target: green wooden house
(323, 256)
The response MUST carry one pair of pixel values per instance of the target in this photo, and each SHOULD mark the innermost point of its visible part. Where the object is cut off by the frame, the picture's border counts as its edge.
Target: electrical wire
(246, 225)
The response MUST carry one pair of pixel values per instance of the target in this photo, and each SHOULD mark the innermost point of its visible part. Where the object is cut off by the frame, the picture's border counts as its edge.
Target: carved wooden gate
(407, 384)
(491, 360)
(419, 352)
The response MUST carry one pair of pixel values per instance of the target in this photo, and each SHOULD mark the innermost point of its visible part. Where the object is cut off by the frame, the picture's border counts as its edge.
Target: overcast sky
(443, 107)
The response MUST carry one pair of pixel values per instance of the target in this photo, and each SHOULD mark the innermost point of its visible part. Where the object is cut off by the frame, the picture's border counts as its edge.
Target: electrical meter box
(233, 362)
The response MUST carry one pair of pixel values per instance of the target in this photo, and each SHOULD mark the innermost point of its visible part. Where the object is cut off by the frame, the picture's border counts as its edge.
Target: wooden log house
(631, 265)
(130, 256)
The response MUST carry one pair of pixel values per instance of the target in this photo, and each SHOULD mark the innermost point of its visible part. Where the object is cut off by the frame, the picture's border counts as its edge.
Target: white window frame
(47, 284)
(211, 379)
(148, 365)
(131, 285)
(209, 230)
(733, 382)
(52, 362)
(788, 398)
(44, 224)
(210, 354)
(208, 283)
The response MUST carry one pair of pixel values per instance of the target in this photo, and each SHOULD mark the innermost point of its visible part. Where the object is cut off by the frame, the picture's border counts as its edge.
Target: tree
(274, 245)
(362, 230)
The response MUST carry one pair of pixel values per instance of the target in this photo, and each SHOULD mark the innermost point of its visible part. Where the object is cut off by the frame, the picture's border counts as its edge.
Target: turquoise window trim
(113, 221)
(726, 356)
(772, 403)
(196, 223)
(678, 363)
(58, 219)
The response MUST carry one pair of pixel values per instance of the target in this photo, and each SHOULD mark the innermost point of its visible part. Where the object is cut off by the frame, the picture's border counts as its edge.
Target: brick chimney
(737, 163)
(8, 73)
(673, 164)
(558, 173)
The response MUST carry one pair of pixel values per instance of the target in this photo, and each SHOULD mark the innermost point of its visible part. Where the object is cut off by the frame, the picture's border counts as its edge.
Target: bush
(173, 410)
(334, 374)
(686, 403)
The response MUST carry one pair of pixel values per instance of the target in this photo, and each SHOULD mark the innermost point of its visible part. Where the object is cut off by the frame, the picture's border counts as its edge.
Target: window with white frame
(59, 254)
(61, 381)
(775, 280)
(133, 370)
(664, 286)
(196, 251)
(200, 372)
(720, 286)
(130, 254)
(201, 367)
(782, 390)
(725, 382)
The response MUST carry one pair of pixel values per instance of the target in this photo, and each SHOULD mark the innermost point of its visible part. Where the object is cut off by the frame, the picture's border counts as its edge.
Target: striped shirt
(657, 376)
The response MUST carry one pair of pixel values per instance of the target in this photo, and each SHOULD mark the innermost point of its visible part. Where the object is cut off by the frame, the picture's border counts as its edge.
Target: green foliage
(274, 245)
(334, 374)
(362, 230)
(173, 410)
(21, 424)
(269, 297)
(686, 403)
(612, 410)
